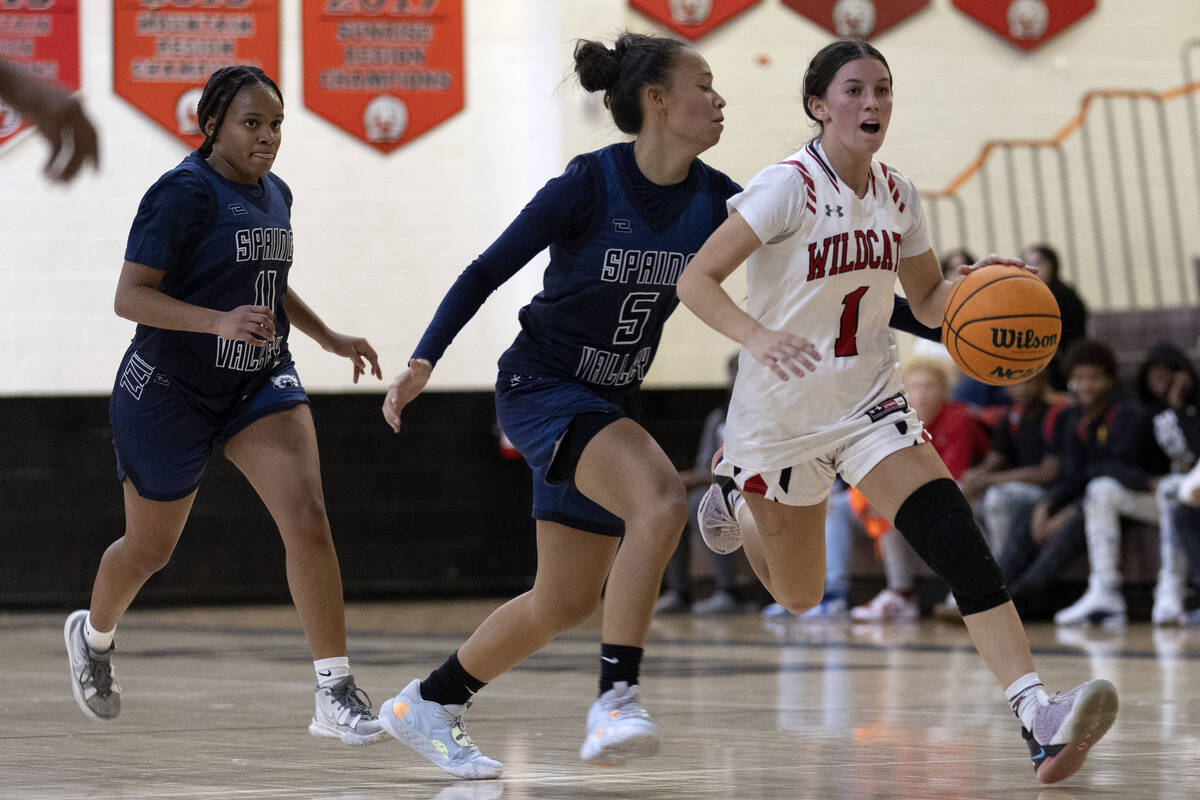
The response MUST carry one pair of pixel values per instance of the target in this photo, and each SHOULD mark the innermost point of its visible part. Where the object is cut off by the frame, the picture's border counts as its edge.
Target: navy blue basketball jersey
(607, 293)
(222, 245)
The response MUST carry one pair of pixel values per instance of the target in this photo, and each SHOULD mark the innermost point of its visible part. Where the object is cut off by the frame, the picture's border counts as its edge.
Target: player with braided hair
(206, 279)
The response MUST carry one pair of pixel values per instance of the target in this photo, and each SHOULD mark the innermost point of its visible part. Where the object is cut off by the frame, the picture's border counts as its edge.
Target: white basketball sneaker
(1098, 606)
(619, 729)
(436, 732)
(1168, 602)
(717, 518)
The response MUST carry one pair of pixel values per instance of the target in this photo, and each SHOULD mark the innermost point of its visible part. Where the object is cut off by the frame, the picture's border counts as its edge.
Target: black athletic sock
(618, 662)
(450, 684)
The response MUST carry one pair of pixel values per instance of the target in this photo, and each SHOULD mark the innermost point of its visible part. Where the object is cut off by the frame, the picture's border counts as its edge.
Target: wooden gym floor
(217, 700)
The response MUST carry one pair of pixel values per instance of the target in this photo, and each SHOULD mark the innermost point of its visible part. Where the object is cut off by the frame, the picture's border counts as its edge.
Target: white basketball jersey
(827, 272)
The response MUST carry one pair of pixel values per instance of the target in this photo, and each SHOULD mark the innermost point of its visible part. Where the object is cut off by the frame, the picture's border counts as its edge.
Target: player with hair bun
(825, 234)
(206, 279)
(620, 223)
(609, 506)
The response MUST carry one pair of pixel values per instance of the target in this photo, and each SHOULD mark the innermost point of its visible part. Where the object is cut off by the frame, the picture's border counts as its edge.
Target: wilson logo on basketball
(1027, 339)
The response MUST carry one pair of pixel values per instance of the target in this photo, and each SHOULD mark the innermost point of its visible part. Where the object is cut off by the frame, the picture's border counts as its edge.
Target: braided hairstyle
(634, 62)
(223, 85)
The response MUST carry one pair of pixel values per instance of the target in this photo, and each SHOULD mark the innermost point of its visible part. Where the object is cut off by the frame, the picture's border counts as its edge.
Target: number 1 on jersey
(847, 340)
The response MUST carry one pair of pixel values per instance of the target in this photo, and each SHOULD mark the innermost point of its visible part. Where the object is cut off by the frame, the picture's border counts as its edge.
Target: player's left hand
(993, 258)
(356, 349)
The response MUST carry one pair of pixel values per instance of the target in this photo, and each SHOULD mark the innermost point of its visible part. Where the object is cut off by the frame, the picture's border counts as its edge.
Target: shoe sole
(1097, 710)
(618, 754)
(325, 730)
(76, 689)
(420, 745)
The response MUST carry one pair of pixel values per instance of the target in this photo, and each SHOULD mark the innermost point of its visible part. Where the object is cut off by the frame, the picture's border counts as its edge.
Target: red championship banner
(692, 18)
(164, 51)
(41, 37)
(1026, 23)
(856, 19)
(385, 71)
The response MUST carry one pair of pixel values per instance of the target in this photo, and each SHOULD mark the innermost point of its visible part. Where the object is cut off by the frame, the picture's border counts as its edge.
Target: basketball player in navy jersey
(621, 224)
(819, 286)
(206, 279)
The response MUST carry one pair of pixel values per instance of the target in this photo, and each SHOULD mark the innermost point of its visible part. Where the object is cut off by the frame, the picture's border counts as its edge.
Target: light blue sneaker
(436, 732)
(830, 608)
(618, 728)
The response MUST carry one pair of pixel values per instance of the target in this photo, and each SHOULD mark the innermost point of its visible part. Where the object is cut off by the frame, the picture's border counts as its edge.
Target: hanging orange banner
(164, 51)
(385, 71)
(41, 37)
(856, 19)
(692, 18)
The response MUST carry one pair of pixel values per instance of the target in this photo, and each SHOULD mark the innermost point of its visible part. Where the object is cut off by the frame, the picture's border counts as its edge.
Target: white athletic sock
(1026, 694)
(331, 670)
(97, 640)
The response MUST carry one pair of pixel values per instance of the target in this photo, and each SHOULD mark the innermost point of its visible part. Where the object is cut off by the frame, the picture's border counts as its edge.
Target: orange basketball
(1001, 325)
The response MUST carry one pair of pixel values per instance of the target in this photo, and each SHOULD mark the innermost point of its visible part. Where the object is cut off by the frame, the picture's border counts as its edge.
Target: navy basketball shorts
(164, 434)
(536, 413)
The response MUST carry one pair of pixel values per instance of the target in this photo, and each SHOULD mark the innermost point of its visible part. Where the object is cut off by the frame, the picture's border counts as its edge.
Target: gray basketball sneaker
(91, 672)
(343, 711)
(436, 732)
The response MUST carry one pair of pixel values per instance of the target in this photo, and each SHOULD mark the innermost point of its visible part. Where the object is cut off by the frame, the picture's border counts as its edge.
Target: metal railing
(1112, 200)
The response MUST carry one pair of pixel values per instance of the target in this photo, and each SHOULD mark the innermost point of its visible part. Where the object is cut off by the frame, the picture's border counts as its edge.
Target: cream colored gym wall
(379, 238)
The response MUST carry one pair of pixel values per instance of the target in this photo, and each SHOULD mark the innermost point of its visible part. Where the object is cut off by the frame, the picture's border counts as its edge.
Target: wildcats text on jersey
(871, 250)
(264, 244)
(643, 267)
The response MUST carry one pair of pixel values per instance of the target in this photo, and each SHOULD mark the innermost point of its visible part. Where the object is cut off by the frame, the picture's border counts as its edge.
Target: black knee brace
(937, 521)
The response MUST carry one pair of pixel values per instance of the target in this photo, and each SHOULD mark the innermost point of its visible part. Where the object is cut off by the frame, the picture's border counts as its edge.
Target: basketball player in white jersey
(825, 235)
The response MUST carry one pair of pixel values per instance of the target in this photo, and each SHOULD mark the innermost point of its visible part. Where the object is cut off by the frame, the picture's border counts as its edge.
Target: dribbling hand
(404, 389)
(783, 352)
(993, 258)
(253, 324)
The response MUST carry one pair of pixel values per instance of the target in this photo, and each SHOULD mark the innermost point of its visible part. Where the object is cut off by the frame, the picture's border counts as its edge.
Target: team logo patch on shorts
(896, 403)
(285, 381)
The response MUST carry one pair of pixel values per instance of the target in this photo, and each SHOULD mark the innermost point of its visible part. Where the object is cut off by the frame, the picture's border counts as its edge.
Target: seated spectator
(1044, 260)
(1013, 476)
(960, 440)
(1185, 521)
(1167, 383)
(1122, 464)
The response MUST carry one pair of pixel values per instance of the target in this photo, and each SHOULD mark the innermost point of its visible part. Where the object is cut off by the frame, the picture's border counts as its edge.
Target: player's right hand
(254, 324)
(783, 352)
(404, 389)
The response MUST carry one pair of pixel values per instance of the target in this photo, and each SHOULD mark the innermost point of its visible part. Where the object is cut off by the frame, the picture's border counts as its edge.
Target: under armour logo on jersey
(238, 209)
(830, 209)
(622, 226)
